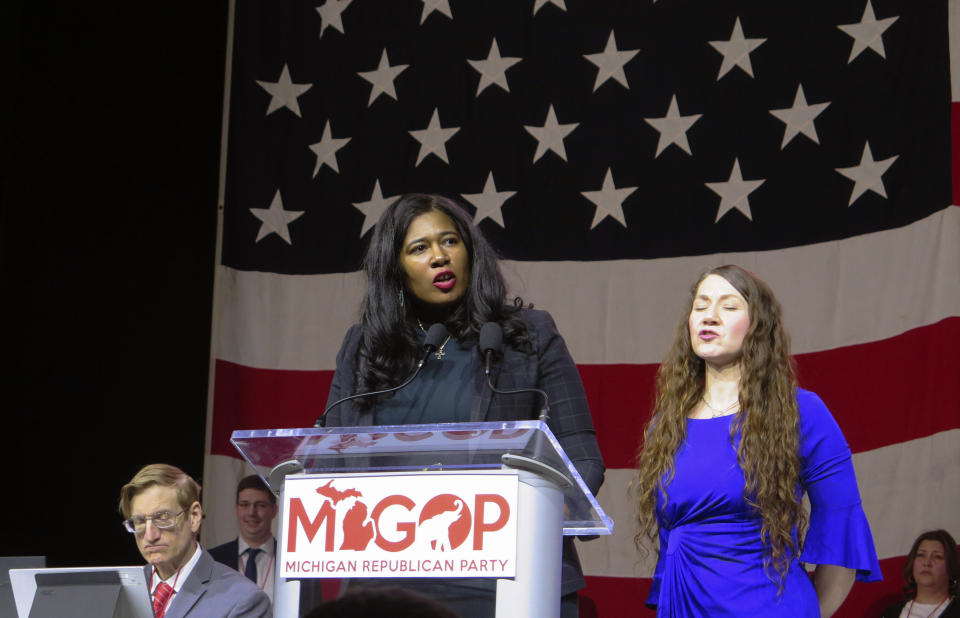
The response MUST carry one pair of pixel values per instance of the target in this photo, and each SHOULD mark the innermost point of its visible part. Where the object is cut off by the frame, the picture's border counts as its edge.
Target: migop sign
(426, 524)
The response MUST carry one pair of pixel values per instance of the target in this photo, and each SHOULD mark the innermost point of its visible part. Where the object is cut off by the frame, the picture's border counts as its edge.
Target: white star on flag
(736, 51)
(429, 6)
(373, 208)
(489, 203)
(274, 220)
(868, 176)
(382, 78)
(673, 127)
(799, 118)
(550, 136)
(284, 92)
(539, 4)
(433, 139)
(493, 70)
(326, 150)
(868, 32)
(609, 201)
(610, 63)
(330, 14)
(733, 193)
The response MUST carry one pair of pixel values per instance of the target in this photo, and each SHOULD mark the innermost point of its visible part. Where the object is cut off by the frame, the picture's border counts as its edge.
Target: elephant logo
(444, 523)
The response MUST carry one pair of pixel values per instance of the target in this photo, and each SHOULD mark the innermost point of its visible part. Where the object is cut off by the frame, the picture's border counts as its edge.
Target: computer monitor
(8, 606)
(85, 592)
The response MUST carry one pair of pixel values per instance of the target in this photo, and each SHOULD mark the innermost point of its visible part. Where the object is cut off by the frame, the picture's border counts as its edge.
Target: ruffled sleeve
(839, 533)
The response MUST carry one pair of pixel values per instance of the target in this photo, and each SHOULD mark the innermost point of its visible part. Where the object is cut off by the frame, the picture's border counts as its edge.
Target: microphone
(436, 335)
(491, 341)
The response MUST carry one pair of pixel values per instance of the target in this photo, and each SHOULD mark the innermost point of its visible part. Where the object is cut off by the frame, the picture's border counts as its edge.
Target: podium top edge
(299, 432)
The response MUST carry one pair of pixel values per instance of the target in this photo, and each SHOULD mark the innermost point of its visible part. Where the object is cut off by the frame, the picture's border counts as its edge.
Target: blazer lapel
(193, 588)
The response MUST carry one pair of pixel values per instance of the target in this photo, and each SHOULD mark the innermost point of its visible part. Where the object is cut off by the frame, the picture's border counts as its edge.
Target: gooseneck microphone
(491, 343)
(436, 335)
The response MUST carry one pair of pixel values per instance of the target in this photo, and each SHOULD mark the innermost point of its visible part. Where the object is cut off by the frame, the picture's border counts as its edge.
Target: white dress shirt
(265, 563)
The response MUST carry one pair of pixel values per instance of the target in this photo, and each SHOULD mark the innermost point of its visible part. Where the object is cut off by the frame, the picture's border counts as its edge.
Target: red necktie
(160, 597)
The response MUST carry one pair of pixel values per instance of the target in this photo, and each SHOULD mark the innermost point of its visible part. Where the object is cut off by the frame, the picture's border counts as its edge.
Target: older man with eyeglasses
(161, 505)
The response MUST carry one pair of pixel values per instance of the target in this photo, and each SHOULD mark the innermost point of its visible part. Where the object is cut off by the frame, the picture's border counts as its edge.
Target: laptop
(8, 608)
(84, 592)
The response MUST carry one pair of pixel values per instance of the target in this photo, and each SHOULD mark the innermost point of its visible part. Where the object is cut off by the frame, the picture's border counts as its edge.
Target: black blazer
(228, 554)
(548, 367)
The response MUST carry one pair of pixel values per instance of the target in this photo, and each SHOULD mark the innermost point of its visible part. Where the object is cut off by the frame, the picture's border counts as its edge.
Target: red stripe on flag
(893, 390)
(615, 596)
(249, 398)
(881, 393)
(622, 596)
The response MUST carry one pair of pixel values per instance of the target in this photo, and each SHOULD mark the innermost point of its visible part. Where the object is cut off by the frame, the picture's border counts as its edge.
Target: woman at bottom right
(731, 447)
(930, 579)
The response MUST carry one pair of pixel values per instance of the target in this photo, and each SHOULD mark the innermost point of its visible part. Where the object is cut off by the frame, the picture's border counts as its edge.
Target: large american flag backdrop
(611, 151)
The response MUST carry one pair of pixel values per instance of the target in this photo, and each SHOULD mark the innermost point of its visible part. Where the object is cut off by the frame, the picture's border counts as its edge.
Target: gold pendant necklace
(439, 353)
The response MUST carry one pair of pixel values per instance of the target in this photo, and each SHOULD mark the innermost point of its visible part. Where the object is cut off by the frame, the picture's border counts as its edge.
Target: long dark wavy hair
(949, 552)
(768, 423)
(389, 344)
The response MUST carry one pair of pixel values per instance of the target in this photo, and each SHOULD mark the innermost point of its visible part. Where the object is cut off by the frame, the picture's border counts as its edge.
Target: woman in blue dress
(727, 456)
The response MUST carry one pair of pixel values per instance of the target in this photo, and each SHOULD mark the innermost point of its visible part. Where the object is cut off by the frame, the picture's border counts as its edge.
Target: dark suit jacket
(548, 367)
(951, 611)
(215, 591)
(227, 554)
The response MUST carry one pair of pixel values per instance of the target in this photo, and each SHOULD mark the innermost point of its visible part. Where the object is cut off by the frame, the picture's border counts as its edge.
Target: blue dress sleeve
(839, 533)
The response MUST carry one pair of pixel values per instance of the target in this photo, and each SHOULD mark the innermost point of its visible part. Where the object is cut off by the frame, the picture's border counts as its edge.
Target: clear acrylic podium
(553, 500)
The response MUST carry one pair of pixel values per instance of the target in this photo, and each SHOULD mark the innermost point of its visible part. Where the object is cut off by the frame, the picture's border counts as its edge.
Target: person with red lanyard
(161, 507)
(254, 551)
(931, 575)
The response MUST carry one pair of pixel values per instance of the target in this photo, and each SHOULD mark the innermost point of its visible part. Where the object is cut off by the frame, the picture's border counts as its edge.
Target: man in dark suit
(161, 505)
(256, 508)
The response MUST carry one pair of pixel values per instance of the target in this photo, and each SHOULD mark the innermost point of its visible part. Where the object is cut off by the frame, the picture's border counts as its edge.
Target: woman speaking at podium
(428, 264)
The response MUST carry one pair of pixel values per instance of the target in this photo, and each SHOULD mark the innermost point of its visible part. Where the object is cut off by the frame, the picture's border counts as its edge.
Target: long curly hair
(389, 344)
(768, 424)
(950, 554)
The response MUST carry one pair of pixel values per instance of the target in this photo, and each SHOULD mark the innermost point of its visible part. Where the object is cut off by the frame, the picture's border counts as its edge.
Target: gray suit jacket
(548, 367)
(213, 590)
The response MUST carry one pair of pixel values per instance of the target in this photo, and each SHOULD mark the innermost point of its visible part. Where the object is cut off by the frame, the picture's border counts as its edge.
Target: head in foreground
(731, 326)
(161, 507)
(381, 602)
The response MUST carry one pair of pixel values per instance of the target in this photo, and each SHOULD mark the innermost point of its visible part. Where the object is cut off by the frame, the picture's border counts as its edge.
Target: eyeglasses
(161, 519)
